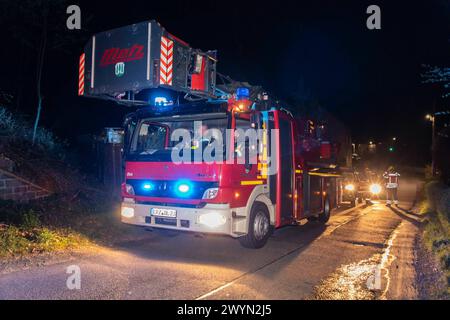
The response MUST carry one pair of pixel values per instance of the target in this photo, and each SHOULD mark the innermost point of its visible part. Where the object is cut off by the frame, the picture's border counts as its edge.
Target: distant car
(350, 190)
(359, 187)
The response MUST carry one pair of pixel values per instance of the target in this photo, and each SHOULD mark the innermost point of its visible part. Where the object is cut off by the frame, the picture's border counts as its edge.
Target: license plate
(168, 213)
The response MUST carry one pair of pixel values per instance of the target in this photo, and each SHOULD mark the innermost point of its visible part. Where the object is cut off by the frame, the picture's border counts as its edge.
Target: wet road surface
(345, 258)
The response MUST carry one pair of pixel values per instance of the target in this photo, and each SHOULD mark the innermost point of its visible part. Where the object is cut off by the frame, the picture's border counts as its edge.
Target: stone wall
(16, 188)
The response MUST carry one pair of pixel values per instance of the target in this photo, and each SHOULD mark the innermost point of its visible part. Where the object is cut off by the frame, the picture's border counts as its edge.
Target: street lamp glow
(394, 139)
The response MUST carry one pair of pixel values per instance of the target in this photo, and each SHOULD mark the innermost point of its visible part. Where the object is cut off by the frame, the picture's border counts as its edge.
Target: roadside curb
(416, 219)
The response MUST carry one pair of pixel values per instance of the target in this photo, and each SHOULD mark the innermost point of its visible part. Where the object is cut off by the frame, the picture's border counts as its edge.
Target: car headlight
(127, 212)
(212, 220)
(129, 189)
(349, 187)
(375, 188)
(210, 193)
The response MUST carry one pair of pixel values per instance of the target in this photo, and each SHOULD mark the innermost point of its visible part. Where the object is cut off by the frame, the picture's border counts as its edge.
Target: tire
(353, 203)
(259, 229)
(326, 213)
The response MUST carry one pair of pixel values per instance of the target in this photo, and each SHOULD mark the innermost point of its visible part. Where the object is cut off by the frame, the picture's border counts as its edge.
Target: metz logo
(114, 55)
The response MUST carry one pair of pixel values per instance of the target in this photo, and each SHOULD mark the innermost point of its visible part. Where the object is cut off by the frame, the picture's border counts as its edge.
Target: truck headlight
(127, 212)
(375, 188)
(212, 220)
(349, 187)
(129, 189)
(210, 193)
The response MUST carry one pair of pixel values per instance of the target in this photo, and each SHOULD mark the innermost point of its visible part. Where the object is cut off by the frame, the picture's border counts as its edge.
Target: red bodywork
(230, 176)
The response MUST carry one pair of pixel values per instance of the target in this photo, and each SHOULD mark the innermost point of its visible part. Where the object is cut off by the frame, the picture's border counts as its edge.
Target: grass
(32, 237)
(56, 224)
(437, 231)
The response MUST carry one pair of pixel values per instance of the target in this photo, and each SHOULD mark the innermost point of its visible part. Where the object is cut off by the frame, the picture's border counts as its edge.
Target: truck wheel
(325, 215)
(259, 228)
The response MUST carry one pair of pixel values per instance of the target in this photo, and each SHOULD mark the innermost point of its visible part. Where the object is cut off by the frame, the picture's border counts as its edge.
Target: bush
(12, 241)
(30, 220)
(17, 129)
(437, 230)
(438, 196)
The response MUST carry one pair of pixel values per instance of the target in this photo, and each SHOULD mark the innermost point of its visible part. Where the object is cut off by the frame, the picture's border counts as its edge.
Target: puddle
(364, 280)
(349, 282)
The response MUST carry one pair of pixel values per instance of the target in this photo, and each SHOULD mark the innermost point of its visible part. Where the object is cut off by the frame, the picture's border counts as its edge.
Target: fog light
(212, 220)
(127, 212)
(375, 188)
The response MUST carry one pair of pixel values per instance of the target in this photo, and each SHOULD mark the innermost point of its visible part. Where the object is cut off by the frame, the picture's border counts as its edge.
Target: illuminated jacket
(391, 179)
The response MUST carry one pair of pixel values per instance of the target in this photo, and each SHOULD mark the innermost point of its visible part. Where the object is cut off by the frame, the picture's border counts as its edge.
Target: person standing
(391, 176)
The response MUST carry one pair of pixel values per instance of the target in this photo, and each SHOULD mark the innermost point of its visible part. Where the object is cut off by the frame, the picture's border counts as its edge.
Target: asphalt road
(302, 262)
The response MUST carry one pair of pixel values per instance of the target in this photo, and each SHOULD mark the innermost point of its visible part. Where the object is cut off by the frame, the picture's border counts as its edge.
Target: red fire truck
(287, 174)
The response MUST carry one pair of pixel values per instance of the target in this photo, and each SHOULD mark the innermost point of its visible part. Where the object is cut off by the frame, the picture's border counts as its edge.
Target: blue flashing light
(148, 186)
(242, 93)
(183, 188)
(161, 101)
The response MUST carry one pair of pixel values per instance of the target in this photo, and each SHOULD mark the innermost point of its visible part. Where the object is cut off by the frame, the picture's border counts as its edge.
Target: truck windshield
(152, 138)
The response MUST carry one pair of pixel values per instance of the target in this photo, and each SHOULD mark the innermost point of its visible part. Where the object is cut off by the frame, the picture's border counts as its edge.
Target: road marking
(248, 273)
(331, 228)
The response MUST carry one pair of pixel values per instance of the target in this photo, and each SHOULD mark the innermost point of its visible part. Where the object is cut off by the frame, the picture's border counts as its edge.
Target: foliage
(437, 75)
(12, 241)
(18, 240)
(30, 220)
(41, 32)
(17, 129)
(437, 230)
(24, 229)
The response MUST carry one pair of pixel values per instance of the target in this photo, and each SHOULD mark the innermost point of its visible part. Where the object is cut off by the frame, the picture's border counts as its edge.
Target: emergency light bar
(143, 56)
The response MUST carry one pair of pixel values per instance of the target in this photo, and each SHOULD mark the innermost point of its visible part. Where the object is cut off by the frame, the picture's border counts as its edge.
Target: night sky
(308, 51)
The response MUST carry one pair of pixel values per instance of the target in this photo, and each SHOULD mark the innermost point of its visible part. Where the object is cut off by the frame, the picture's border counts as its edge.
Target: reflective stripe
(251, 182)
(324, 174)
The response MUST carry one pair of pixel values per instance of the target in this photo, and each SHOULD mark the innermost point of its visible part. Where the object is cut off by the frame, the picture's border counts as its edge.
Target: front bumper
(187, 218)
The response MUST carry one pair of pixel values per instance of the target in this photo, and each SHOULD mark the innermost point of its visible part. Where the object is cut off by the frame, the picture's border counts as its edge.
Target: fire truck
(290, 172)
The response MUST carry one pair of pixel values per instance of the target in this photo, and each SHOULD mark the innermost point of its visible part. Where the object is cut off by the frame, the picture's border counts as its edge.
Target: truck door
(315, 193)
(245, 173)
(285, 185)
